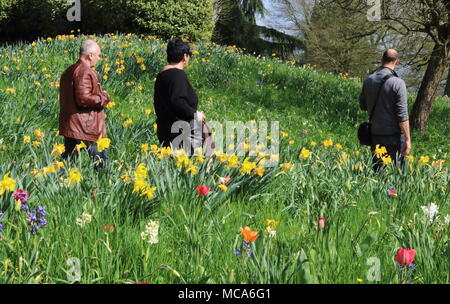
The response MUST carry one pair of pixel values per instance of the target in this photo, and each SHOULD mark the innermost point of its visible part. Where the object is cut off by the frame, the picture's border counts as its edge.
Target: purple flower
(41, 211)
(411, 266)
(237, 252)
(1, 213)
(42, 222)
(24, 207)
(36, 219)
(260, 83)
(2, 227)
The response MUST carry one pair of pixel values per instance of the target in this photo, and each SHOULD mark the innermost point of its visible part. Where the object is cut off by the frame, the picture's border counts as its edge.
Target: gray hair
(88, 46)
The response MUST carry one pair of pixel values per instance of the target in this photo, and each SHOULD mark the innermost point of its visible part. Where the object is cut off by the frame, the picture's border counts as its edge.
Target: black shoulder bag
(364, 132)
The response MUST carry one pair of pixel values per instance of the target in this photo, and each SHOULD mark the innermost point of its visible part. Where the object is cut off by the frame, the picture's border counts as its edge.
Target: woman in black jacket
(174, 98)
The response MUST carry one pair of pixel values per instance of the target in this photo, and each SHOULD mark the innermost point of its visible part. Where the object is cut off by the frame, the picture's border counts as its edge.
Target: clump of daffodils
(150, 234)
(140, 183)
(85, 218)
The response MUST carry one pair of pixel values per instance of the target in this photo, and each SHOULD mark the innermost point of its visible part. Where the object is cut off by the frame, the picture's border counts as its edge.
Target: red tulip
(392, 192)
(108, 227)
(203, 190)
(321, 223)
(405, 256)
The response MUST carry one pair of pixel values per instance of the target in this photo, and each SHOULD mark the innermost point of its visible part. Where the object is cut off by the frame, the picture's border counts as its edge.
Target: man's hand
(407, 148)
(404, 126)
(201, 116)
(107, 99)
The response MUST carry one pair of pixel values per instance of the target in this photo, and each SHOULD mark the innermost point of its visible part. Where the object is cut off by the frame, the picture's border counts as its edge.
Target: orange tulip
(249, 235)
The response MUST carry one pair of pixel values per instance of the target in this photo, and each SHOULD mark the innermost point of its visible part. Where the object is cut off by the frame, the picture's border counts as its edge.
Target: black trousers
(394, 146)
(100, 158)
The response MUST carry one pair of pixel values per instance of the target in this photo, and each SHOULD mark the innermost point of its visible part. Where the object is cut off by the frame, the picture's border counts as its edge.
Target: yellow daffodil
(259, 171)
(141, 172)
(380, 151)
(232, 162)
(286, 166)
(144, 148)
(272, 224)
(103, 143)
(305, 153)
(127, 122)
(328, 143)
(80, 146)
(39, 134)
(58, 149)
(74, 176)
(247, 166)
(111, 105)
(386, 160)
(424, 160)
(7, 184)
(193, 169)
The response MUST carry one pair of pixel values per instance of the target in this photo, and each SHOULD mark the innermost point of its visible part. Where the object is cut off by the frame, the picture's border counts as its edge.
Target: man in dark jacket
(82, 101)
(384, 96)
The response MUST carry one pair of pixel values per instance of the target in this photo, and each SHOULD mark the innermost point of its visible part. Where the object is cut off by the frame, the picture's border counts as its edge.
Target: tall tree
(236, 25)
(406, 17)
(332, 43)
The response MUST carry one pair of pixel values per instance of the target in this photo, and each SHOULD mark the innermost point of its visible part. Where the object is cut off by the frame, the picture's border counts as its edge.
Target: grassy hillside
(198, 234)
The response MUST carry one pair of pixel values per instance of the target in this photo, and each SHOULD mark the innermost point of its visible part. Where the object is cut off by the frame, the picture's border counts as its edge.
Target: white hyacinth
(447, 219)
(272, 233)
(430, 211)
(85, 218)
(150, 235)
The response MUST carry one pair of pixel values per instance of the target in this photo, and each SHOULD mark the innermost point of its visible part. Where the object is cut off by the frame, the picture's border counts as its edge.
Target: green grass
(197, 235)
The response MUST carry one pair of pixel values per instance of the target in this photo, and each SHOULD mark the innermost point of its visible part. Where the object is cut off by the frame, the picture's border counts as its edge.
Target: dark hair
(176, 49)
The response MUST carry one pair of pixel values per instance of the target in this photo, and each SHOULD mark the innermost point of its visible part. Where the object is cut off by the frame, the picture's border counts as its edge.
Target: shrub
(30, 19)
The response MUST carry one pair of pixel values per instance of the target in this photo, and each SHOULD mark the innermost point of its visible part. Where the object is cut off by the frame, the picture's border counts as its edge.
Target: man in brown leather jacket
(82, 101)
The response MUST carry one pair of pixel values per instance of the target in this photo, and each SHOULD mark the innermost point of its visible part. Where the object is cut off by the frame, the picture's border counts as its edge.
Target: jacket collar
(386, 69)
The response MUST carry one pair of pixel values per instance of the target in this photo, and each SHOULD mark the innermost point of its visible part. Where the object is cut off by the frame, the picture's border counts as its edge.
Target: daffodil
(141, 172)
(305, 153)
(103, 143)
(424, 160)
(380, 151)
(58, 149)
(247, 166)
(80, 146)
(144, 148)
(286, 166)
(39, 134)
(259, 171)
(74, 176)
(328, 143)
(7, 184)
(386, 160)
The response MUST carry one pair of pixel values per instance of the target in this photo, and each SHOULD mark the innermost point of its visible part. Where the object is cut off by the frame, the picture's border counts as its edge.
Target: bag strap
(386, 78)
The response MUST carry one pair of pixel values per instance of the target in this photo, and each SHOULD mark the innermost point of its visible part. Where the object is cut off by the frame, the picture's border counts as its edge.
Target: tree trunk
(437, 65)
(447, 85)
